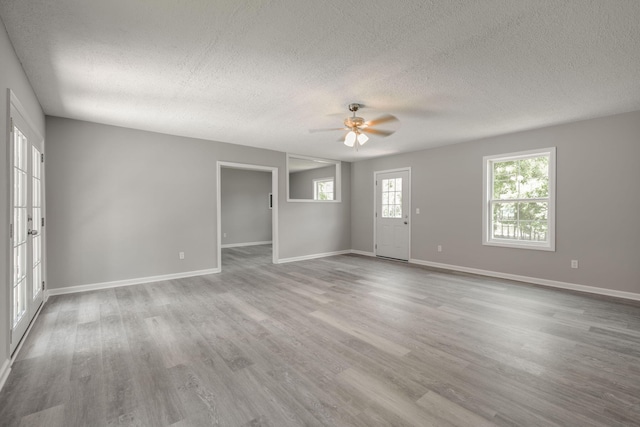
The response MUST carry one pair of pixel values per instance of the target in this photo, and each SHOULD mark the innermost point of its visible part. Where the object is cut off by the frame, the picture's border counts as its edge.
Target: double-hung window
(519, 199)
(323, 189)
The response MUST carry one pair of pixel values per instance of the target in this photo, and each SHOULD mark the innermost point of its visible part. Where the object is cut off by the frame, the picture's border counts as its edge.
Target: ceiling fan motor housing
(352, 122)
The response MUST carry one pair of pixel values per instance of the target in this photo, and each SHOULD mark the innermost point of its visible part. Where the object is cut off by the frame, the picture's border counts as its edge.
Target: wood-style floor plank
(339, 341)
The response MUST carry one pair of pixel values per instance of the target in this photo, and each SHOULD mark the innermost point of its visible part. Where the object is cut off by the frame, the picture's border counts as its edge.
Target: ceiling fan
(358, 129)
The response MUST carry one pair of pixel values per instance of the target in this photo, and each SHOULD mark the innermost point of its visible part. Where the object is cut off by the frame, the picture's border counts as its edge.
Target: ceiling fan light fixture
(350, 139)
(362, 138)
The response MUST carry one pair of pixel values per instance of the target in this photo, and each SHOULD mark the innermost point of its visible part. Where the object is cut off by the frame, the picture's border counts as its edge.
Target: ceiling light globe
(362, 138)
(350, 139)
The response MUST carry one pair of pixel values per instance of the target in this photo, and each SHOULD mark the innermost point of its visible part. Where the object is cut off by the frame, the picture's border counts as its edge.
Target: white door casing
(26, 241)
(392, 213)
(273, 203)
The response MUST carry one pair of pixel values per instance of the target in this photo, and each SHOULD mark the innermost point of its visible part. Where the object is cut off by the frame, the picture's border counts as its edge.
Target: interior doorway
(392, 225)
(244, 203)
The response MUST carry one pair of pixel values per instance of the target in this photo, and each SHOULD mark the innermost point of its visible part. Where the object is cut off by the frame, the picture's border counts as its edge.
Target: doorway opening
(247, 214)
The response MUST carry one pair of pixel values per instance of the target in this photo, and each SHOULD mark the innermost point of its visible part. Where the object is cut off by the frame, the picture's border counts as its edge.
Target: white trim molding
(238, 245)
(313, 256)
(4, 372)
(274, 208)
(129, 282)
(532, 280)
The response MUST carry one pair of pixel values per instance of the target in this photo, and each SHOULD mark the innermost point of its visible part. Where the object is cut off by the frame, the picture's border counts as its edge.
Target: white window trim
(486, 198)
(315, 186)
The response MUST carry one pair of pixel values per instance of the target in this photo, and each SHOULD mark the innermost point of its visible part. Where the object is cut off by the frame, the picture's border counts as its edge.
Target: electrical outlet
(574, 263)
(418, 211)
(181, 255)
(439, 248)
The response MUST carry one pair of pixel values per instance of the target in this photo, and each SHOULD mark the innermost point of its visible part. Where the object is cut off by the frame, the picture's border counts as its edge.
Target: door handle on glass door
(33, 232)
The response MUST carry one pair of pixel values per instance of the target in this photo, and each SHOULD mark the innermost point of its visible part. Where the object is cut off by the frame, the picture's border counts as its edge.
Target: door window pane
(392, 198)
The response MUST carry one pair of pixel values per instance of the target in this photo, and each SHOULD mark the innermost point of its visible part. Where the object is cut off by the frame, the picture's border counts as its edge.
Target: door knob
(405, 223)
(35, 232)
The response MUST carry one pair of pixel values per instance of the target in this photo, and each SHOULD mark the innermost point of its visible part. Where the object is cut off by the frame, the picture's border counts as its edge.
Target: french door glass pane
(36, 162)
(19, 187)
(37, 280)
(19, 281)
(36, 192)
(20, 224)
(19, 302)
(20, 263)
(36, 249)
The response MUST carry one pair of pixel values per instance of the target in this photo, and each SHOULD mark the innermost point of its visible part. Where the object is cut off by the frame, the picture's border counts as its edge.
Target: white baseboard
(313, 256)
(363, 253)
(237, 245)
(532, 280)
(129, 282)
(4, 372)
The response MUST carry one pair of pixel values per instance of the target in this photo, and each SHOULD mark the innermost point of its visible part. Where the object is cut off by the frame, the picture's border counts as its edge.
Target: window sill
(520, 245)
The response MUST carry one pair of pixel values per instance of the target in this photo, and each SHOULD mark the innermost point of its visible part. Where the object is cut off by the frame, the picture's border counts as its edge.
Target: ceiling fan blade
(384, 119)
(324, 130)
(377, 132)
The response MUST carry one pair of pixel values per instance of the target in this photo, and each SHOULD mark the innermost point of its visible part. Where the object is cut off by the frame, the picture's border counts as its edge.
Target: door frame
(13, 103)
(274, 209)
(375, 207)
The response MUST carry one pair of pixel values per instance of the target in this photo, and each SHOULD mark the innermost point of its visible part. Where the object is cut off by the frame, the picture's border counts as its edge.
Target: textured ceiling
(261, 73)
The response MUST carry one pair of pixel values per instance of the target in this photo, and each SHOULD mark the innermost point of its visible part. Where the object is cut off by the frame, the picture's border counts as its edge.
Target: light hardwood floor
(339, 341)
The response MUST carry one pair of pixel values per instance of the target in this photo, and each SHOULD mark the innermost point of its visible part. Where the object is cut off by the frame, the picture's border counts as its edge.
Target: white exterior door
(26, 240)
(393, 228)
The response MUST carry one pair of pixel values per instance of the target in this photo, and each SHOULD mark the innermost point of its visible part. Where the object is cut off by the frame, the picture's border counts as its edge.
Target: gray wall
(12, 77)
(598, 203)
(301, 183)
(122, 203)
(244, 206)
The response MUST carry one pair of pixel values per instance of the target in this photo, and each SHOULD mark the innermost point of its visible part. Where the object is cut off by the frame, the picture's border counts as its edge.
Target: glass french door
(26, 225)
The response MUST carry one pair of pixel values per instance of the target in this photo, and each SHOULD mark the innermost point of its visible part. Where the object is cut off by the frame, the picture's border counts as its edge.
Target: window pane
(385, 198)
(505, 188)
(533, 211)
(533, 177)
(398, 184)
(505, 230)
(504, 211)
(328, 187)
(398, 198)
(385, 212)
(525, 178)
(398, 211)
